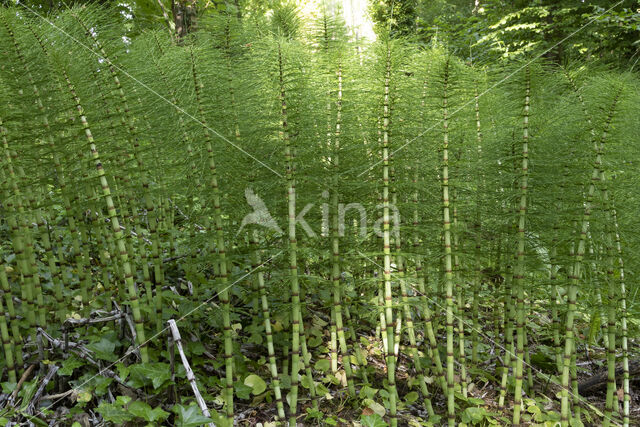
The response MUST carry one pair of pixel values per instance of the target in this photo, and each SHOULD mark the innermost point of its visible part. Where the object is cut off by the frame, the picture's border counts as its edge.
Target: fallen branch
(175, 334)
(31, 407)
(83, 353)
(74, 323)
(21, 381)
(599, 381)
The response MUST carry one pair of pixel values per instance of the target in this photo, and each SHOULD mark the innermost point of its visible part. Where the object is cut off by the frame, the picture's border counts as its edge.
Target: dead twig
(175, 334)
(21, 381)
(31, 407)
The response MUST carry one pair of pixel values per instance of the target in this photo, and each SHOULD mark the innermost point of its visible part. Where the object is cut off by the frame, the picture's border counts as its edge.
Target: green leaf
(256, 383)
(411, 397)
(84, 396)
(157, 373)
(69, 365)
(322, 365)
(241, 390)
(104, 349)
(373, 420)
(123, 371)
(475, 401)
(473, 415)
(8, 387)
(190, 416)
(375, 407)
(368, 392)
(143, 410)
(114, 413)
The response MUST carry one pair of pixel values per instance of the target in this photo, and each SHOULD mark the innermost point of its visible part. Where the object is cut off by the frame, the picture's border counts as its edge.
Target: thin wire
(466, 104)
(487, 337)
(218, 134)
(157, 334)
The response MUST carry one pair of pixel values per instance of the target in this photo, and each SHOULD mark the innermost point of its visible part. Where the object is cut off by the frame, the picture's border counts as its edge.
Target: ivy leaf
(158, 373)
(69, 365)
(473, 415)
(373, 420)
(256, 383)
(143, 410)
(241, 390)
(104, 349)
(190, 416)
(114, 413)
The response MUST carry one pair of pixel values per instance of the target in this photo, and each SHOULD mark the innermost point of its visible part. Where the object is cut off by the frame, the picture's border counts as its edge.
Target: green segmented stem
(386, 237)
(623, 320)
(220, 245)
(273, 368)
(296, 312)
(460, 303)
(128, 122)
(448, 259)
(335, 243)
(520, 255)
(577, 268)
(115, 223)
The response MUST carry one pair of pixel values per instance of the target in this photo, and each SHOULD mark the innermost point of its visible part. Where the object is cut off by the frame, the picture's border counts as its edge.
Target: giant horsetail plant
(520, 253)
(576, 271)
(128, 121)
(611, 236)
(331, 38)
(220, 245)
(296, 312)
(58, 64)
(386, 228)
(448, 259)
(414, 170)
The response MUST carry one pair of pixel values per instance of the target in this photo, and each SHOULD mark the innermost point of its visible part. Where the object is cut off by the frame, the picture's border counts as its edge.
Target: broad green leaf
(144, 411)
(322, 365)
(190, 416)
(368, 392)
(373, 420)
(256, 383)
(411, 397)
(114, 413)
(69, 365)
(475, 401)
(84, 396)
(375, 407)
(330, 421)
(156, 373)
(104, 349)
(473, 415)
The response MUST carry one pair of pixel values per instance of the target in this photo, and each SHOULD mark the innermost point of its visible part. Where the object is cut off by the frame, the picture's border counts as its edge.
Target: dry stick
(38, 395)
(23, 378)
(75, 323)
(175, 334)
